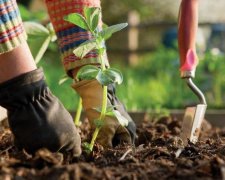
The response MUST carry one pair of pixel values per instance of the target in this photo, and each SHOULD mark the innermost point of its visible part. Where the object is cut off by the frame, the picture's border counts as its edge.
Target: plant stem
(101, 56)
(42, 50)
(79, 109)
(94, 137)
(103, 111)
(104, 95)
(104, 103)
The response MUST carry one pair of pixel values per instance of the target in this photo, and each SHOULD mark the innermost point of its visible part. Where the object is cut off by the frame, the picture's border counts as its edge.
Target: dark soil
(155, 156)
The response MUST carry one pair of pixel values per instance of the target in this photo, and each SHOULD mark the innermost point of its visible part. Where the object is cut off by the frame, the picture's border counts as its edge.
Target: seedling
(105, 76)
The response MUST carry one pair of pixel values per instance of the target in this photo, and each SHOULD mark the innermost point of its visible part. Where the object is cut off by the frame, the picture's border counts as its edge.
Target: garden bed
(155, 156)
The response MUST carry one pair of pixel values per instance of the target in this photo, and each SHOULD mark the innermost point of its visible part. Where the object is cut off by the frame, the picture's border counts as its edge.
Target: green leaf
(42, 50)
(109, 110)
(92, 16)
(39, 38)
(36, 29)
(63, 79)
(87, 147)
(114, 113)
(110, 75)
(101, 51)
(88, 11)
(104, 25)
(122, 120)
(78, 20)
(98, 123)
(95, 19)
(52, 32)
(98, 109)
(108, 31)
(88, 72)
(115, 74)
(103, 78)
(83, 49)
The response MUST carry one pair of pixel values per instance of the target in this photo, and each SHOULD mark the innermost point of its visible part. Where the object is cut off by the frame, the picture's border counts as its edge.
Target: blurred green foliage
(31, 16)
(149, 10)
(120, 9)
(153, 84)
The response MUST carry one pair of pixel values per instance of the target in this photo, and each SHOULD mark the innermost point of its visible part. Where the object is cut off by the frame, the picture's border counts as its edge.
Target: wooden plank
(3, 113)
(133, 37)
(215, 117)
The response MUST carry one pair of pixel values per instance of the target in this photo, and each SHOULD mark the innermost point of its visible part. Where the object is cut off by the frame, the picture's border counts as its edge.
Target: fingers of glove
(122, 136)
(105, 136)
(121, 108)
(74, 145)
(76, 149)
(132, 131)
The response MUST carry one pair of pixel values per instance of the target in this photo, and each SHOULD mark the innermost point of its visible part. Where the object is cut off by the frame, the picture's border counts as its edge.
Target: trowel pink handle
(190, 62)
(187, 29)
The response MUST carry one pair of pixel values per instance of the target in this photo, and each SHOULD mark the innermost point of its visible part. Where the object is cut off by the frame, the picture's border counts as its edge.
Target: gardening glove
(112, 132)
(36, 117)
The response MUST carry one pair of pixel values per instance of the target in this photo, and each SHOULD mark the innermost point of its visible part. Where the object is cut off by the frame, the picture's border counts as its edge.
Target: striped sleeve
(69, 35)
(12, 32)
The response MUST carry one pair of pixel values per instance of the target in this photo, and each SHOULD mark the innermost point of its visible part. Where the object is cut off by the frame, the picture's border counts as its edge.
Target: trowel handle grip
(187, 30)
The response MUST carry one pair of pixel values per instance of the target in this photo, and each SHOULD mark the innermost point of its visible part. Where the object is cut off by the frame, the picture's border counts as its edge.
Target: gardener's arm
(71, 36)
(36, 117)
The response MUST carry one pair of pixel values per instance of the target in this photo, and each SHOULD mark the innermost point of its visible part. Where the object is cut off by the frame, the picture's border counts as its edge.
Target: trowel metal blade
(192, 122)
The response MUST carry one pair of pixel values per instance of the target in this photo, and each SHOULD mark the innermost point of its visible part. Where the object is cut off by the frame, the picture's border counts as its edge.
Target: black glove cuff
(21, 89)
(24, 79)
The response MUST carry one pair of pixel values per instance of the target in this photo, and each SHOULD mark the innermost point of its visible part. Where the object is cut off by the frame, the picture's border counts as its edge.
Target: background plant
(39, 38)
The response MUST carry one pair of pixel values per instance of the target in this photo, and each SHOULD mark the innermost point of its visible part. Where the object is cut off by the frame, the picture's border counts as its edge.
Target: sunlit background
(146, 53)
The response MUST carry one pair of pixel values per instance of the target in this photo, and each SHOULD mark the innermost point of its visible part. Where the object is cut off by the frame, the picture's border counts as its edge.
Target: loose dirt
(156, 155)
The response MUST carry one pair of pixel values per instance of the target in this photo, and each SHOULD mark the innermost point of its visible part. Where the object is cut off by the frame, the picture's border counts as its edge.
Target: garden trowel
(187, 29)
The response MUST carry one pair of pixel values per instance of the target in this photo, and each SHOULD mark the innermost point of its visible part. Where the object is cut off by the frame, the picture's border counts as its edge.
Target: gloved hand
(36, 117)
(112, 132)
